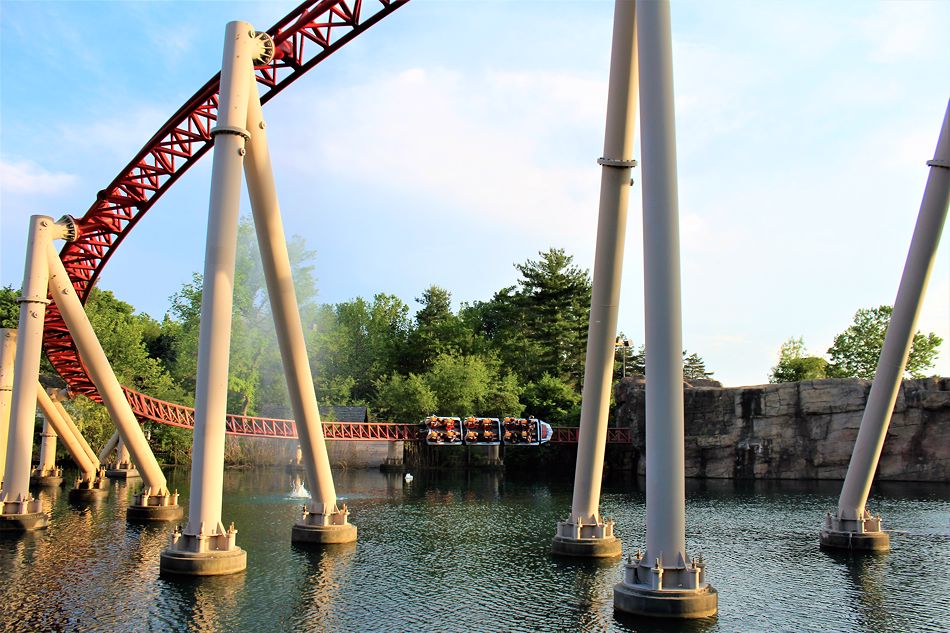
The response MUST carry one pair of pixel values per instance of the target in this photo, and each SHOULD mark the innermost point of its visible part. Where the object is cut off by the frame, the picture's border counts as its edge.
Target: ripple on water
(470, 553)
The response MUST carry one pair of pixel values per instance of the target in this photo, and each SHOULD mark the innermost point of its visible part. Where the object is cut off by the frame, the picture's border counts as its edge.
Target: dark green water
(468, 552)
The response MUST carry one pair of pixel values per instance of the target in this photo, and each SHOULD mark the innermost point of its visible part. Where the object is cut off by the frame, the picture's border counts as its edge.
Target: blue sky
(455, 139)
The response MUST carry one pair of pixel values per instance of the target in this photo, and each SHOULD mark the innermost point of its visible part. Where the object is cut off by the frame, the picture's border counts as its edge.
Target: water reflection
(201, 605)
(469, 551)
(323, 577)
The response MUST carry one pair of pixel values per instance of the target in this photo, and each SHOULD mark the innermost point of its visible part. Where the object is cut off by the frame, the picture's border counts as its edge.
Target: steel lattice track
(304, 38)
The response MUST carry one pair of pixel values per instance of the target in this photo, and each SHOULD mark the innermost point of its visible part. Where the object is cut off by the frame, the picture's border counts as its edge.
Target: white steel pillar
(663, 581)
(853, 527)
(107, 449)
(57, 424)
(56, 397)
(90, 485)
(323, 521)
(20, 511)
(586, 532)
(206, 547)
(123, 468)
(7, 354)
(155, 501)
(46, 466)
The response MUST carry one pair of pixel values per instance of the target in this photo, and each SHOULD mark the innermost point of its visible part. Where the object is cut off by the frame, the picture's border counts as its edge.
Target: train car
(525, 432)
(442, 431)
(481, 431)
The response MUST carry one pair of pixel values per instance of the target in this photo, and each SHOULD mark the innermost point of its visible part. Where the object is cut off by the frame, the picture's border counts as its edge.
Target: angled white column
(91, 485)
(88, 467)
(663, 581)
(323, 522)
(7, 354)
(102, 375)
(853, 527)
(20, 511)
(155, 502)
(56, 397)
(107, 449)
(585, 532)
(205, 546)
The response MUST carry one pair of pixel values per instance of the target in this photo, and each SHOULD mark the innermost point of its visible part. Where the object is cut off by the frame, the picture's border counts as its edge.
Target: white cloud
(26, 177)
(504, 147)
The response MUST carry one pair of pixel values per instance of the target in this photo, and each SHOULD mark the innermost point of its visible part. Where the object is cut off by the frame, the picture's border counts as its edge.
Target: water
(468, 552)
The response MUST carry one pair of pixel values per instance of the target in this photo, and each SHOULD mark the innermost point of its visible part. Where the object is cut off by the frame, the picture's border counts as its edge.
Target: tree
(553, 400)
(794, 364)
(437, 330)
(404, 399)
(555, 298)
(694, 367)
(855, 352)
(9, 308)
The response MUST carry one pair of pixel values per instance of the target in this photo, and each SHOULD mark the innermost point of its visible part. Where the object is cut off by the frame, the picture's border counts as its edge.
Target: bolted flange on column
(586, 540)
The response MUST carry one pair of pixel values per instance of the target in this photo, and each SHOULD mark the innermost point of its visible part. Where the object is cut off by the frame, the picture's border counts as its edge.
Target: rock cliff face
(800, 430)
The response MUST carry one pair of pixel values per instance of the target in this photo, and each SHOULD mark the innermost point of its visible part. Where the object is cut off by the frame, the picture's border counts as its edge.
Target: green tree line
(855, 352)
(521, 351)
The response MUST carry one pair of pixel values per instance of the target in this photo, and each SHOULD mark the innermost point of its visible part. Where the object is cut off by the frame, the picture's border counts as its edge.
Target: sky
(454, 140)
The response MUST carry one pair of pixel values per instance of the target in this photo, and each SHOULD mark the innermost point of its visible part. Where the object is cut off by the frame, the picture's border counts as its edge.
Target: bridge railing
(148, 408)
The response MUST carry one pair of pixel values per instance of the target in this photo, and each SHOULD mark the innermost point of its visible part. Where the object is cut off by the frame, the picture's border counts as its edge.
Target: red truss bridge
(303, 38)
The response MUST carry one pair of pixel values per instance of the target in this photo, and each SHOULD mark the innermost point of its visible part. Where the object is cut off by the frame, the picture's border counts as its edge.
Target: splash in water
(299, 490)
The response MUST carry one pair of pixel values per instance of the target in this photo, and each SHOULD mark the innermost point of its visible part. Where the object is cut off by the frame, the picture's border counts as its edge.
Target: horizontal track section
(304, 38)
(149, 408)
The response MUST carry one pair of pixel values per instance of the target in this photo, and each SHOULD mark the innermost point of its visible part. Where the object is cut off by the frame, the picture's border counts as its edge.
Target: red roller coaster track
(303, 38)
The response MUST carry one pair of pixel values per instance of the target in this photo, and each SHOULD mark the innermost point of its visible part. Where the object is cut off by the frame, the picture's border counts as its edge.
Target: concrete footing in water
(856, 535)
(212, 553)
(658, 591)
(586, 548)
(315, 528)
(120, 472)
(23, 514)
(682, 605)
(213, 563)
(302, 534)
(578, 539)
(47, 481)
(149, 508)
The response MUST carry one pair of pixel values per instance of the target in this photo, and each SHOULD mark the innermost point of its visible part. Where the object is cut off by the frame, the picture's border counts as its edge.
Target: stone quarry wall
(802, 430)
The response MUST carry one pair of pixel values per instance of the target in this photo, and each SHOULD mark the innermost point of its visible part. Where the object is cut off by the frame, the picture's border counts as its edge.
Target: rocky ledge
(803, 430)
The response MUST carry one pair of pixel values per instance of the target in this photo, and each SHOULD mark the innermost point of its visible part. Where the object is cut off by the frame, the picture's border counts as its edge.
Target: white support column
(102, 375)
(107, 449)
(91, 485)
(663, 581)
(20, 511)
(205, 546)
(7, 354)
(585, 532)
(323, 522)
(56, 397)
(124, 467)
(853, 527)
(57, 424)
(47, 460)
